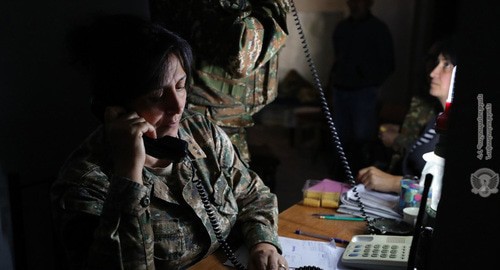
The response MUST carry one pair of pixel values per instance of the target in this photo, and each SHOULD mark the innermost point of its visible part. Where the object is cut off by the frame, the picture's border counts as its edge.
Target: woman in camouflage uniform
(423, 108)
(413, 162)
(116, 206)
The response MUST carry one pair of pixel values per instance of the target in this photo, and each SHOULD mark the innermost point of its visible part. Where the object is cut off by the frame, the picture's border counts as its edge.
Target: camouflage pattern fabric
(236, 44)
(107, 222)
(418, 115)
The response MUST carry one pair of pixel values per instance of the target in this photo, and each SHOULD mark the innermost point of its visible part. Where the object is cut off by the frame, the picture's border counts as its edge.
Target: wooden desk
(293, 218)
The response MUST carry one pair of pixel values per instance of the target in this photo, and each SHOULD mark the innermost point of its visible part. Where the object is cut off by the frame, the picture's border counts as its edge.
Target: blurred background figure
(363, 60)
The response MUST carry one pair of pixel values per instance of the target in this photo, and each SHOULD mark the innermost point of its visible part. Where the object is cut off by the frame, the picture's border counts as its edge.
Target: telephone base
(385, 252)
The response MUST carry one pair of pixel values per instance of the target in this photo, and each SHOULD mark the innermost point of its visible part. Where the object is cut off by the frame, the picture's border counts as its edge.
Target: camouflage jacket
(236, 53)
(418, 115)
(107, 222)
(236, 46)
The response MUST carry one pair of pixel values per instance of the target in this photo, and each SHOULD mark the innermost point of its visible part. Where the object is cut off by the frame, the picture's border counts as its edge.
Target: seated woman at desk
(398, 138)
(119, 206)
(413, 162)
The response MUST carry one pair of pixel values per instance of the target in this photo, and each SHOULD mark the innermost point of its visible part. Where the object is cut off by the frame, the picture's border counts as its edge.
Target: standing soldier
(236, 45)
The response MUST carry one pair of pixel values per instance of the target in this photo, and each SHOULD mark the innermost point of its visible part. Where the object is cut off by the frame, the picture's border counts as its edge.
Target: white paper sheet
(299, 253)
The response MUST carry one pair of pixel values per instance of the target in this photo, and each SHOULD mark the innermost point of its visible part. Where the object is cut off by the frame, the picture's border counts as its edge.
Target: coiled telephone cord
(336, 141)
(214, 222)
(326, 112)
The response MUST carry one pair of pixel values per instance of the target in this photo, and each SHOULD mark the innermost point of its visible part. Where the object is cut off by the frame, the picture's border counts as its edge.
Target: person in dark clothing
(364, 59)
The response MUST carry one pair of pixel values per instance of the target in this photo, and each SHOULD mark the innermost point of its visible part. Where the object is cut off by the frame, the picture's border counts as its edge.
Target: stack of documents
(377, 204)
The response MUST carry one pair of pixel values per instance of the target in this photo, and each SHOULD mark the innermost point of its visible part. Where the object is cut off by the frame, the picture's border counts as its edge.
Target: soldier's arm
(260, 34)
(110, 234)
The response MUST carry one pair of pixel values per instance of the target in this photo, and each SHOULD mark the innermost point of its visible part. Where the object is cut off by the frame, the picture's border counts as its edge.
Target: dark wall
(466, 224)
(433, 20)
(44, 108)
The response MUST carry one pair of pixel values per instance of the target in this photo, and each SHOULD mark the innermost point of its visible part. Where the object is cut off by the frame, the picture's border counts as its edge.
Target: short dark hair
(445, 46)
(126, 57)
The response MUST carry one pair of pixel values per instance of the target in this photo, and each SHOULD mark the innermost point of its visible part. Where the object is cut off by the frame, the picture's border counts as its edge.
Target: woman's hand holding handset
(124, 131)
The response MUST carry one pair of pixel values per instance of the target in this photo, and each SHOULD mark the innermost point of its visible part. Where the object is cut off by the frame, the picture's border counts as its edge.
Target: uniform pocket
(168, 237)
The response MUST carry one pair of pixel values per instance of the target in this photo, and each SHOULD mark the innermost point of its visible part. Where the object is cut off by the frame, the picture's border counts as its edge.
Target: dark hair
(126, 57)
(444, 46)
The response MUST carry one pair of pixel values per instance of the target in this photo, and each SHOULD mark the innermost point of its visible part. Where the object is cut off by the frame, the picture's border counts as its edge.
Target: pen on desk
(342, 218)
(331, 215)
(324, 237)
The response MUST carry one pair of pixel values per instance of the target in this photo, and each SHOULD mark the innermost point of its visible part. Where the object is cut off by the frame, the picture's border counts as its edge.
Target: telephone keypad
(377, 252)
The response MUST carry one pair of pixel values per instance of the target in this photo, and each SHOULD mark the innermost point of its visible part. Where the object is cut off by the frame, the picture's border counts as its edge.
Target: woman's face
(441, 79)
(163, 107)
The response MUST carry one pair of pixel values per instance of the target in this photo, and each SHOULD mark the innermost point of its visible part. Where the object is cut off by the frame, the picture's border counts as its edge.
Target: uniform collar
(193, 147)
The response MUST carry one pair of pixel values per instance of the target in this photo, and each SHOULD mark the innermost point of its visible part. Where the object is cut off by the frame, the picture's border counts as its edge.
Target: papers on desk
(377, 204)
(297, 253)
(300, 253)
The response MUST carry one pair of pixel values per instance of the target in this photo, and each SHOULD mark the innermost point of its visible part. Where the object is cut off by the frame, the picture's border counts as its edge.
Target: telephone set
(378, 252)
(166, 147)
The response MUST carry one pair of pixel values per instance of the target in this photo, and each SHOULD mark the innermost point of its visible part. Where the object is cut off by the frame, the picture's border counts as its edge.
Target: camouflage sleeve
(415, 120)
(239, 36)
(258, 207)
(125, 231)
(113, 233)
(260, 34)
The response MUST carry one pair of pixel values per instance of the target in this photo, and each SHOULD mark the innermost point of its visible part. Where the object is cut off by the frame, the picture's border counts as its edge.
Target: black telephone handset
(166, 147)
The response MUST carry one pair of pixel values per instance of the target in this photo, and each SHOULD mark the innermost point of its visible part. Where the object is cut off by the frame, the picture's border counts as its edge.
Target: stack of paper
(376, 204)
